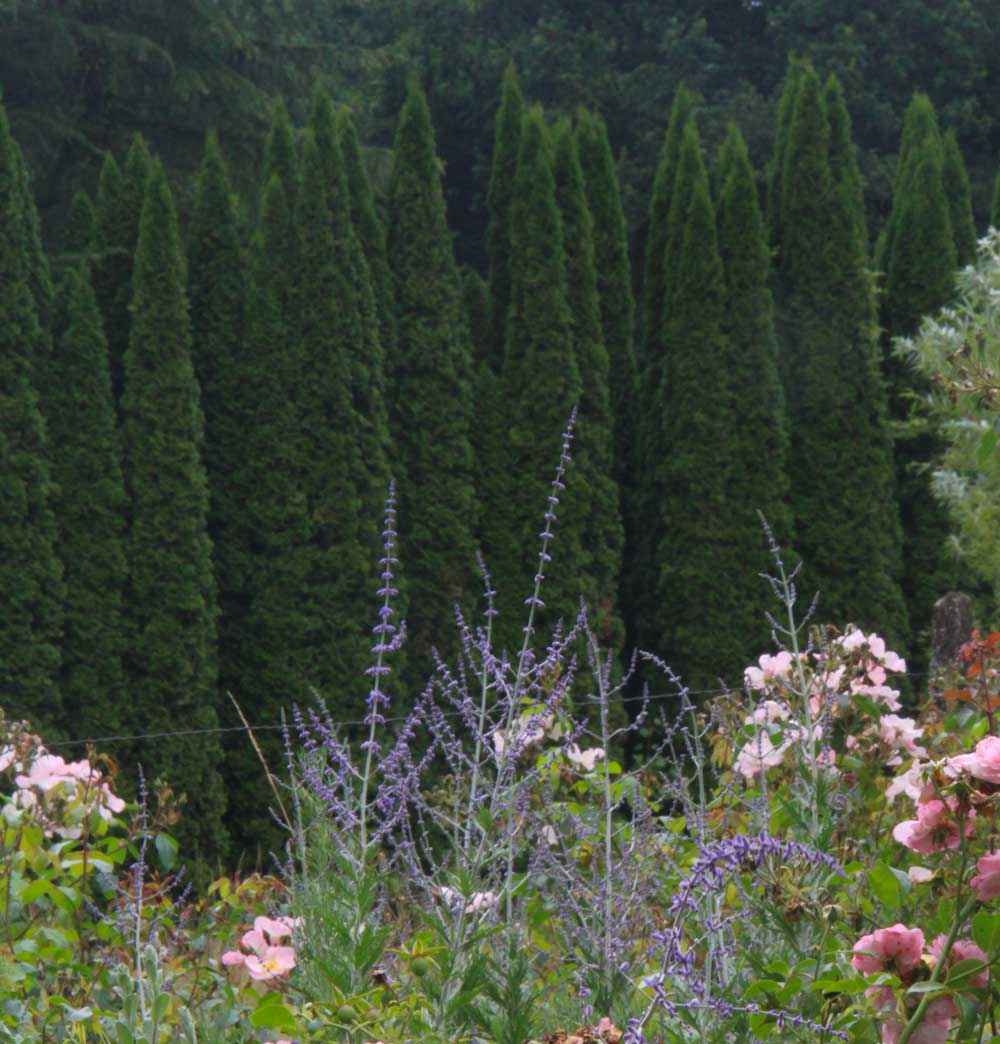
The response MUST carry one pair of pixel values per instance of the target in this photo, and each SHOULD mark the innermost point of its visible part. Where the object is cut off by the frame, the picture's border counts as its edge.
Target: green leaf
(986, 931)
(271, 1013)
(166, 851)
(987, 448)
(966, 969)
(885, 885)
(928, 987)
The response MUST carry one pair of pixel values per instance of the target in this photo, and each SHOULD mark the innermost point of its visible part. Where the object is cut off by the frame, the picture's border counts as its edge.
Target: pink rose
(987, 881)
(933, 830)
(983, 764)
(933, 1028)
(897, 949)
(962, 950)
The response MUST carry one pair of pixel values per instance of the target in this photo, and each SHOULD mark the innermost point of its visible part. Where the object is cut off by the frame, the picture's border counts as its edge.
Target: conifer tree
(499, 197)
(39, 277)
(541, 385)
(216, 291)
(844, 511)
(330, 326)
(362, 324)
(171, 662)
(690, 583)
(759, 437)
(592, 478)
(654, 279)
(918, 261)
(995, 208)
(430, 375)
(119, 205)
(369, 231)
(91, 517)
(956, 185)
(280, 153)
(775, 173)
(30, 571)
(614, 280)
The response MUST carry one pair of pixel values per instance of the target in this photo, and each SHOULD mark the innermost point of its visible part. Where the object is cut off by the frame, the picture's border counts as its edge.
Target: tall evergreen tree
(690, 583)
(91, 517)
(845, 514)
(918, 259)
(499, 197)
(476, 299)
(759, 438)
(776, 168)
(362, 323)
(216, 291)
(995, 208)
(30, 571)
(614, 280)
(956, 185)
(592, 479)
(81, 228)
(281, 153)
(430, 377)
(654, 279)
(171, 600)
(119, 206)
(541, 385)
(368, 229)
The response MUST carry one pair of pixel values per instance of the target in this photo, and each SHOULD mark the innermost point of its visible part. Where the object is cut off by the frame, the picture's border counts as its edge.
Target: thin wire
(651, 697)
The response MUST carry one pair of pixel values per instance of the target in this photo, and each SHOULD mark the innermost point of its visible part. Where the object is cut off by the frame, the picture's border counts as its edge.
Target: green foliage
(614, 280)
(844, 512)
(776, 167)
(171, 661)
(655, 276)
(216, 291)
(91, 512)
(81, 227)
(499, 199)
(917, 252)
(540, 341)
(758, 438)
(959, 193)
(592, 484)
(30, 572)
(690, 456)
(281, 153)
(430, 375)
(995, 209)
(368, 229)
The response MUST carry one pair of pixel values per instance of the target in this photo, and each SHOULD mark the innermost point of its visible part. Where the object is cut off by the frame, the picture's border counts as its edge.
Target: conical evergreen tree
(995, 209)
(476, 299)
(775, 172)
(91, 515)
(759, 437)
(330, 324)
(30, 571)
(919, 273)
(654, 280)
(614, 280)
(956, 185)
(691, 461)
(216, 290)
(592, 479)
(499, 197)
(280, 153)
(39, 277)
(119, 206)
(845, 514)
(369, 231)
(430, 377)
(362, 323)
(541, 386)
(171, 600)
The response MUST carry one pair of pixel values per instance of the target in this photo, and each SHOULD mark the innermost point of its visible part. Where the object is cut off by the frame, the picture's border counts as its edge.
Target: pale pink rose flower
(483, 901)
(894, 662)
(933, 830)
(962, 950)
(604, 1025)
(883, 695)
(983, 763)
(771, 668)
(897, 949)
(233, 957)
(768, 712)
(876, 674)
(987, 881)
(7, 758)
(876, 646)
(758, 754)
(272, 930)
(901, 734)
(854, 639)
(911, 783)
(920, 874)
(933, 1028)
(274, 961)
